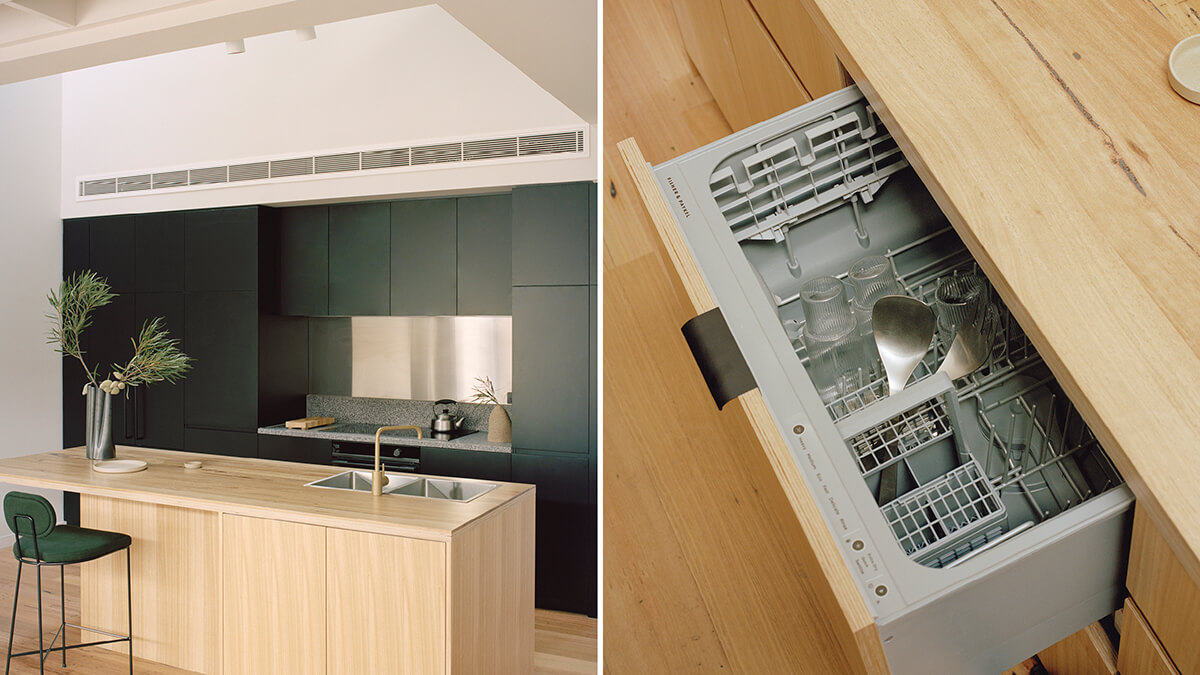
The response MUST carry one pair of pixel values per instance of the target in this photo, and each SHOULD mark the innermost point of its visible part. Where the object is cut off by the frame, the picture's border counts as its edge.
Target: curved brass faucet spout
(378, 480)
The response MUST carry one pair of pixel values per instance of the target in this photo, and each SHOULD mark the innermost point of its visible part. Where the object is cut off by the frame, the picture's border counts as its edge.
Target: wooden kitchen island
(240, 568)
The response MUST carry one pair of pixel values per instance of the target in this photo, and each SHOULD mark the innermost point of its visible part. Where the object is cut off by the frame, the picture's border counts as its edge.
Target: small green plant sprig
(485, 391)
(156, 357)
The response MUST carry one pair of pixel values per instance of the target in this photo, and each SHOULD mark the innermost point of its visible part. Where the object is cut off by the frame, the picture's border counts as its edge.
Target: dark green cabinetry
(550, 237)
(423, 257)
(221, 249)
(158, 251)
(295, 449)
(466, 464)
(111, 251)
(304, 261)
(551, 365)
(484, 255)
(221, 442)
(359, 260)
(222, 334)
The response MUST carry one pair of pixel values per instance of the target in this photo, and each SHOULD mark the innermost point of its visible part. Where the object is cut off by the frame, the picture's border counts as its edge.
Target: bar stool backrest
(29, 515)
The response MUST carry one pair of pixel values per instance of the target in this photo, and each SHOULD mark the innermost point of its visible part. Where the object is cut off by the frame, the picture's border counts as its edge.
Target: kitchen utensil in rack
(831, 338)
(871, 278)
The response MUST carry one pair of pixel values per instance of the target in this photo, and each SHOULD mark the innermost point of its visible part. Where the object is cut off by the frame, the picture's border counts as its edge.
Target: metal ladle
(904, 330)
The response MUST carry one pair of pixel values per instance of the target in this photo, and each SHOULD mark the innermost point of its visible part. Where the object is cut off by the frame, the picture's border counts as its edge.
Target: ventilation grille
(473, 150)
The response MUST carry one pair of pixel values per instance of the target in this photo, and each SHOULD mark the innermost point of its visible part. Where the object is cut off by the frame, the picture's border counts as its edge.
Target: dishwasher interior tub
(1011, 526)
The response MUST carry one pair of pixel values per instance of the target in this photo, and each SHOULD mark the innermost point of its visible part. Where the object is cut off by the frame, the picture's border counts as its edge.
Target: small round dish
(1183, 67)
(193, 464)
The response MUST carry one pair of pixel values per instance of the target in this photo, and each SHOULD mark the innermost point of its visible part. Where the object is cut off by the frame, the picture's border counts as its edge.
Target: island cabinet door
(273, 599)
(386, 604)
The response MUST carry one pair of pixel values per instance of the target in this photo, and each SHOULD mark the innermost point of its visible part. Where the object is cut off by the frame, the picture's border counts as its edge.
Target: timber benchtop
(1050, 136)
(255, 487)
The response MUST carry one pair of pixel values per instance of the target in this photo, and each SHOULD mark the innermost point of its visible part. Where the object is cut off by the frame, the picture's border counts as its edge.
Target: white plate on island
(119, 466)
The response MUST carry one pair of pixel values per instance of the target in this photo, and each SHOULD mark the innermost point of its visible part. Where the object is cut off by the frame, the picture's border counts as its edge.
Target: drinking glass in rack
(835, 353)
(872, 278)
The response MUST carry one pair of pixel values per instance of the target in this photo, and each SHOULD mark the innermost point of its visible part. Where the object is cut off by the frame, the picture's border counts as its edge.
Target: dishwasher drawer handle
(720, 361)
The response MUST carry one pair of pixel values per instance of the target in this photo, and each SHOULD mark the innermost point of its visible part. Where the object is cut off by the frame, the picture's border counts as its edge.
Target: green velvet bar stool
(42, 542)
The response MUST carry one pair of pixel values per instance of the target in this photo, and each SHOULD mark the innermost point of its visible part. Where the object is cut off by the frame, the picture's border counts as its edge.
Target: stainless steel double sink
(404, 484)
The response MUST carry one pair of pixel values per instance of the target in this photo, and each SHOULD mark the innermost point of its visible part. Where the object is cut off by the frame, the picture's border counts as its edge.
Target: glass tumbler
(872, 278)
(958, 300)
(835, 354)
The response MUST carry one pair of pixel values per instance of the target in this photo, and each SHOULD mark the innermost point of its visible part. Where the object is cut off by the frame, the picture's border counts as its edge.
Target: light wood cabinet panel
(491, 604)
(702, 25)
(173, 548)
(806, 50)
(1084, 652)
(274, 596)
(1165, 593)
(1141, 652)
(386, 603)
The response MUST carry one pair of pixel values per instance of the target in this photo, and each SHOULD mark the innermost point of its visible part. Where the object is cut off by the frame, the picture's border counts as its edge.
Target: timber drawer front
(1167, 600)
(1000, 484)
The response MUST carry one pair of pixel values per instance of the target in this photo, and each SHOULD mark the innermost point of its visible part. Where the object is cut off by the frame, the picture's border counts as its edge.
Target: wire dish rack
(1021, 454)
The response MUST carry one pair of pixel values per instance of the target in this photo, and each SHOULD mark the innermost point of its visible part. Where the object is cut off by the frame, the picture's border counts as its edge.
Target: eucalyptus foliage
(156, 356)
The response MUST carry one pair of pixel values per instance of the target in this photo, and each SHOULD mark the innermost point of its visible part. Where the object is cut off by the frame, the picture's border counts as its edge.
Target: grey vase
(98, 421)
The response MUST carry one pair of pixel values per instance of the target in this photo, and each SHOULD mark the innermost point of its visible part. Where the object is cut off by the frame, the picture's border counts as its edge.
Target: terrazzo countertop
(358, 418)
(361, 432)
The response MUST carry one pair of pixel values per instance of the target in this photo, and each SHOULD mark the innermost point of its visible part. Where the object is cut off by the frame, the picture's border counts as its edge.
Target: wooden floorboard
(564, 644)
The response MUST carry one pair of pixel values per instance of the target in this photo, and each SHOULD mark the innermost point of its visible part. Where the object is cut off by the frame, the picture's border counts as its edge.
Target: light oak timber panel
(176, 582)
(855, 627)
(386, 603)
(1007, 112)
(806, 50)
(1164, 592)
(273, 596)
(1084, 652)
(1141, 652)
(491, 592)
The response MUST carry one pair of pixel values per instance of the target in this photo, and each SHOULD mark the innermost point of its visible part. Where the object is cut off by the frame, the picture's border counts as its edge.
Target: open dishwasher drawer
(1006, 526)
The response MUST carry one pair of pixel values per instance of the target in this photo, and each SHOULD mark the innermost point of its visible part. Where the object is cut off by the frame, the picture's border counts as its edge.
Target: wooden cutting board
(308, 422)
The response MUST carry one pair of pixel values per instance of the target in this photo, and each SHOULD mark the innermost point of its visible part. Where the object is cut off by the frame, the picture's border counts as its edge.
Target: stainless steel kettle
(443, 421)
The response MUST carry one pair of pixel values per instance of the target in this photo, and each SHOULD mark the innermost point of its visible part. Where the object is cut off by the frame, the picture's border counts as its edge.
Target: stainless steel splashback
(429, 357)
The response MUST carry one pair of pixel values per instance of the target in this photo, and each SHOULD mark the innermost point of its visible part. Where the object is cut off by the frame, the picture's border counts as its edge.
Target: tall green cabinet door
(159, 252)
(423, 257)
(551, 231)
(304, 261)
(359, 264)
(158, 408)
(111, 249)
(551, 387)
(485, 255)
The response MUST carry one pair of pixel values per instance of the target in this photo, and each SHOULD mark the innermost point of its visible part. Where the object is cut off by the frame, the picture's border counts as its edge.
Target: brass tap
(378, 480)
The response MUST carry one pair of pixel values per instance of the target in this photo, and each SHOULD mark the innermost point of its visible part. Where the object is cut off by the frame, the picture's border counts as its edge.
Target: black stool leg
(41, 643)
(129, 601)
(62, 598)
(13, 626)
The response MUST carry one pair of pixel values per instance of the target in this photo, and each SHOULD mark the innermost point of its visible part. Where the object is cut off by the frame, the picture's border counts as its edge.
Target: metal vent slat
(169, 179)
(300, 166)
(436, 154)
(503, 147)
(348, 161)
(252, 171)
(385, 159)
(543, 144)
(491, 148)
(133, 183)
(209, 176)
(104, 186)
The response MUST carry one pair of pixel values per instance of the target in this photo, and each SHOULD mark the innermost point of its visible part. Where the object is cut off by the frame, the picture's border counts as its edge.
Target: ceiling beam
(61, 12)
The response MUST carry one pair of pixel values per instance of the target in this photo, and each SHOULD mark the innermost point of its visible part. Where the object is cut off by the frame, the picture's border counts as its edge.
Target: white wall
(30, 265)
(414, 75)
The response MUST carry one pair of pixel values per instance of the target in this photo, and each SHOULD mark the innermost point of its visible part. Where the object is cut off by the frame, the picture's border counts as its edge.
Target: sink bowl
(404, 484)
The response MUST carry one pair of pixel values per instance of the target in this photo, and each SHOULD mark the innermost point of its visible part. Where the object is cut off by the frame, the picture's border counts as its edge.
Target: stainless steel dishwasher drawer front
(1010, 530)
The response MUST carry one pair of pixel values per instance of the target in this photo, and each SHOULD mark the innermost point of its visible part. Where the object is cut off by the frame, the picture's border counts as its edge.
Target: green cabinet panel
(359, 260)
(295, 449)
(221, 249)
(222, 335)
(221, 442)
(158, 407)
(304, 260)
(111, 249)
(158, 252)
(466, 464)
(551, 385)
(485, 255)
(550, 235)
(423, 257)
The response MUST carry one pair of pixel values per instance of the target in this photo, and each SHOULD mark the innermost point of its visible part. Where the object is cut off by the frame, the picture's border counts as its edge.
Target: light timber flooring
(564, 644)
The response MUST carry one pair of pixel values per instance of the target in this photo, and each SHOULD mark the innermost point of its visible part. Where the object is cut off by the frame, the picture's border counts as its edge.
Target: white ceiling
(554, 42)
